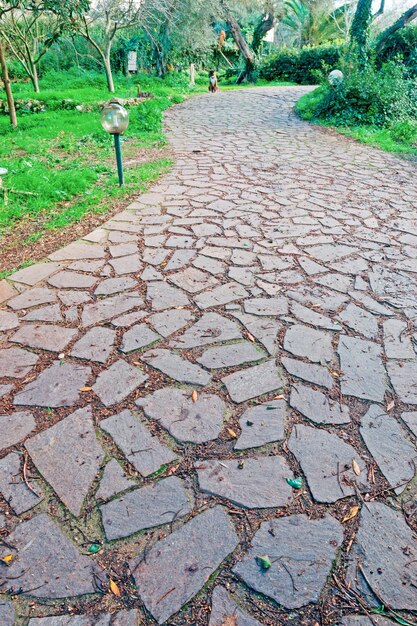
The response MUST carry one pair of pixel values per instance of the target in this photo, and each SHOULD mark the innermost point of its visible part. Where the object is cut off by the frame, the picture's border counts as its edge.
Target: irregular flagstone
(317, 407)
(403, 377)
(302, 552)
(397, 343)
(76, 251)
(51, 313)
(364, 620)
(15, 427)
(306, 315)
(231, 355)
(126, 264)
(176, 367)
(68, 456)
(164, 296)
(110, 286)
(330, 252)
(123, 249)
(411, 420)
(179, 259)
(360, 320)
(395, 455)
(109, 307)
(32, 297)
(210, 328)
(7, 614)
(250, 483)
(58, 385)
(137, 337)
(326, 460)
(72, 280)
(6, 291)
(303, 341)
(390, 567)
(5, 389)
(86, 266)
(74, 298)
(47, 564)
(253, 381)
(128, 319)
(185, 419)
(220, 295)
(153, 505)
(13, 487)
(141, 448)
(262, 424)
(103, 619)
(192, 280)
(225, 611)
(363, 373)
(117, 382)
(168, 322)
(96, 345)
(16, 363)
(337, 282)
(209, 265)
(44, 336)
(264, 329)
(266, 306)
(177, 567)
(243, 275)
(8, 320)
(114, 480)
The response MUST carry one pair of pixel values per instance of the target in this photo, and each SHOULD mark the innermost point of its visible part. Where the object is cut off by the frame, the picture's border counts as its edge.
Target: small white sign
(132, 65)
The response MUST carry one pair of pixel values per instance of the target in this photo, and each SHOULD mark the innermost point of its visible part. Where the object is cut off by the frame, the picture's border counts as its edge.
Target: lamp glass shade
(335, 77)
(114, 118)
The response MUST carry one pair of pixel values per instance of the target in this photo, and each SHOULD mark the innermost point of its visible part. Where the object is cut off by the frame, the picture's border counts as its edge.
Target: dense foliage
(301, 66)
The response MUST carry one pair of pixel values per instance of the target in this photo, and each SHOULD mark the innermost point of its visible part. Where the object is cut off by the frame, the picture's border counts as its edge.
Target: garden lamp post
(335, 78)
(115, 120)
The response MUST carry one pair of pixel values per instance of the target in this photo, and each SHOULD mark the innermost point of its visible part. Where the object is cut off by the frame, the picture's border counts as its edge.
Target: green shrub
(402, 44)
(404, 132)
(301, 66)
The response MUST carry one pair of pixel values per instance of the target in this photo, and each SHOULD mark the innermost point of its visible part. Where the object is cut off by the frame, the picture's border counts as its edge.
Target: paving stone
(51, 313)
(142, 450)
(5, 389)
(74, 298)
(8, 320)
(210, 328)
(16, 363)
(209, 265)
(7, 614)
(262, 424)
(34, 273)
(150, 273)
(153, 505)
(395, 455)
(68, 456)
(137, 337)
(397, 343)
(102, 619)
(310, 267)
(410, 418)
(315, 345)
(44, 336)
(6, 291)
(317, 407)
(117, 382)
(108, 308)
(72, 280)
(363, 373)
(266, 306)
(111, 286)
(264, 329)
(192, 280)
(96, 345)
(179, 259)
(302, 553)
(242, 275)
(15, 428)
(326, 461)
(359, 320)
(306, 315)
(114, 480)
(32, 297)
(176, 367)
(243, 257)
(231, 355)
(185, 420)
(390, 567)
(164, 296)
(363, 620)
(250, 483)
(123, 249)
(338, 282)
(403, 377)
(168, 322)
(253, 381)
(58, 385)
(76, 251)
(128, 319)
(86, 266)
(13, 487)
(188, 556)
(331, 252)
(154, 256)
(48, 565)
(126, 264)
(225, 611)
(220, 295)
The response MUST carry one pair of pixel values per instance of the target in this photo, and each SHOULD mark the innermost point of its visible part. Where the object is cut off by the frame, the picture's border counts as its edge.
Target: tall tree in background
(359, 32)
(407, 17)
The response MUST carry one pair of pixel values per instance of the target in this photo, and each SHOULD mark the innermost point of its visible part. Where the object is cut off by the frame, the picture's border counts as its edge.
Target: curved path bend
(209, 404)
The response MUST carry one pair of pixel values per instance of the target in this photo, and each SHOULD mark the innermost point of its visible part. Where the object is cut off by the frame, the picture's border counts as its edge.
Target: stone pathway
(208, 406)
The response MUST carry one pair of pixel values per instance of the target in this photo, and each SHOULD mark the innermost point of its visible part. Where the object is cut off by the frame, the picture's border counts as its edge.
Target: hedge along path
(213, 394)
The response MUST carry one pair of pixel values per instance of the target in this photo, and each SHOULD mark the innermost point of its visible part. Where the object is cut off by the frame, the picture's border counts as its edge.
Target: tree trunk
(263, 26)
(243, 46)
(34, 77)
(109, 75)
(406, 18)
(359, 32)
(6, 81)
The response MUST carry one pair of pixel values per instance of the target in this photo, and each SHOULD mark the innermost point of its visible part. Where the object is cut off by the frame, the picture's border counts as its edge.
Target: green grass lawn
(383, 138)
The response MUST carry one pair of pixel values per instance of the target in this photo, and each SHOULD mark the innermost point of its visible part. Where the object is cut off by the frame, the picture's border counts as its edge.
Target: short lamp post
(335, 78)
(115, 120)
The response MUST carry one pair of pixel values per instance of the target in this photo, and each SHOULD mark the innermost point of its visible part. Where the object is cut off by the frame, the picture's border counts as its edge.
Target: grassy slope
(371, 135)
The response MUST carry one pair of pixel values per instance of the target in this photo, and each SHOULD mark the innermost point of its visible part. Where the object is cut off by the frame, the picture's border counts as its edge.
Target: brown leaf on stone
(114, 588)
(353, 511)
(194, 396)
(356, 467)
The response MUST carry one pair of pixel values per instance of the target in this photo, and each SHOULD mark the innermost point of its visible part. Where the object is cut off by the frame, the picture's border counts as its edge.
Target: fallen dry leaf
(136, 363)
(7, 559)
(194, 396)
(114, 588)
(86, 389)
(172, 470)
(356, 467)
(232, 433)
(353, 511)
(250, 337)
(279, 397)
(229, 620)
(390, 405)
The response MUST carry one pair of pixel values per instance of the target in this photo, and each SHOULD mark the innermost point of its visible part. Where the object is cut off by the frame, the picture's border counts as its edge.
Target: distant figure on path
(213, 87)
